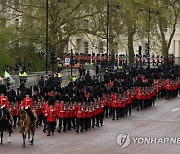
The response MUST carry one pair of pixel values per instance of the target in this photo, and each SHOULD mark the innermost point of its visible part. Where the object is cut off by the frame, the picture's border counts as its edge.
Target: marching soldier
(51, 116)
(14, 112)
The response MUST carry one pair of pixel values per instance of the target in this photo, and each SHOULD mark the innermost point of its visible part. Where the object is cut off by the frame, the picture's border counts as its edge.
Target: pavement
(160, 121)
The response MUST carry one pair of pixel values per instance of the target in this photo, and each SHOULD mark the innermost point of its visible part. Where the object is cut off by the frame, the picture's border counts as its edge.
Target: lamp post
(47, 45)
(107, 30)
(71, 61)
(149, 29)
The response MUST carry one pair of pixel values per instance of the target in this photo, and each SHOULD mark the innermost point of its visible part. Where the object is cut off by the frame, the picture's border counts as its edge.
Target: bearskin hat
(51, 101)
(3, 89)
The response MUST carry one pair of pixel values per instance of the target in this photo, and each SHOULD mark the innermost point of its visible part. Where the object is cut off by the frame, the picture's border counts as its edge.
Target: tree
(168, 17)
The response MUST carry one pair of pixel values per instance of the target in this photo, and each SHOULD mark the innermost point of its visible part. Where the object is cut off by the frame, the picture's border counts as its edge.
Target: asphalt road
(162, 120)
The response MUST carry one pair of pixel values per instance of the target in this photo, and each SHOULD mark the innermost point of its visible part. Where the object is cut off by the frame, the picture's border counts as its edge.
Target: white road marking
(176, 109)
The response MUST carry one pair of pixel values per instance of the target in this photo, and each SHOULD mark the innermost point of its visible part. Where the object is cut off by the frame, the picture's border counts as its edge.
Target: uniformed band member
(51, 116)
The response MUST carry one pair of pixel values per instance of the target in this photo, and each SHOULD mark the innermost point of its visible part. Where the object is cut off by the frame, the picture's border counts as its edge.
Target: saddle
(7, 115)
(31, 115)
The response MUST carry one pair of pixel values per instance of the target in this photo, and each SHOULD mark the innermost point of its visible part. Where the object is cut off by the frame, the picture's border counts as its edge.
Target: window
(87, 24)
(101, 47)
(86, 47)
(17, 23)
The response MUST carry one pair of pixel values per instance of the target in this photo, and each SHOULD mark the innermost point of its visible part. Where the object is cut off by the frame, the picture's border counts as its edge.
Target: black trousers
(40, 118)
(106, 111)
(168, 94)
(101, 116)
(79, 123)
(51, 127)
(115, 113)
(15, 120)
(129, 107)
(139, 104)
(97, 120)
(45, 123)
(93, 121)
(60, 124)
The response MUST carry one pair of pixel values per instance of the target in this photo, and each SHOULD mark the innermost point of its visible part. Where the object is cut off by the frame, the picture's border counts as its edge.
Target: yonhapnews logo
(123, 140)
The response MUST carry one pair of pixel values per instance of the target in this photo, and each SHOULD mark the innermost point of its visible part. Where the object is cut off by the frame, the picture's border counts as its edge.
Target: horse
(26, 126)
(5, 124)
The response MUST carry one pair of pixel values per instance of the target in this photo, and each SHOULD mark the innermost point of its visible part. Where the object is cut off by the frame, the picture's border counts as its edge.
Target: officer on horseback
(4, 102)
(27, 104)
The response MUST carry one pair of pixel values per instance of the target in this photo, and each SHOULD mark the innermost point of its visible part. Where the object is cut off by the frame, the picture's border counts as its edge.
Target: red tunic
(51, 114)
(15, 110)
(4, 101)
(79, 113)
(27, 102)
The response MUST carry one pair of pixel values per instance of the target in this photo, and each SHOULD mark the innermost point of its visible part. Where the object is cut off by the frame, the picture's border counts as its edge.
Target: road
(162, 120)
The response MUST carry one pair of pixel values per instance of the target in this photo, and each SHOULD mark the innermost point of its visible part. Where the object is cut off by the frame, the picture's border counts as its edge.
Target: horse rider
(27, 105)
(4, 102)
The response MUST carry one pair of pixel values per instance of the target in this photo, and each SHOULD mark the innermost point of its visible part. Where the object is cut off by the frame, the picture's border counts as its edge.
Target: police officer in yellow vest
(74, 78)
(23, 77)
(59, 75)
(7, 77)
(120, 67)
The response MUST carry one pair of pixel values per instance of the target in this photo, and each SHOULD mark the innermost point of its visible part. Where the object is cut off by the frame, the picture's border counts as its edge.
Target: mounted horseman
(5, 115)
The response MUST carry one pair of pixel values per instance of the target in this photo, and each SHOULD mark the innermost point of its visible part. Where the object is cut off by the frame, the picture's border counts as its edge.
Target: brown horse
(26, 126)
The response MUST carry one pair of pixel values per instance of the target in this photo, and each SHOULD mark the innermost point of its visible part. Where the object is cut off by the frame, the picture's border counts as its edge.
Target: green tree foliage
(128, 22)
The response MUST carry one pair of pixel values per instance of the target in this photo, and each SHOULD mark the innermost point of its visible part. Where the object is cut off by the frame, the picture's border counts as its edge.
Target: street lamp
(71, 61)
(107, 30)
(149, 28)
(47, 45)
(149, 32)
(117, 7)
(47, 37)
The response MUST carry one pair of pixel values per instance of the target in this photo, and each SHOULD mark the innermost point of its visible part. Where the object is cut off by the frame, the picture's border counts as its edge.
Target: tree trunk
(165, 50)
(130, 45)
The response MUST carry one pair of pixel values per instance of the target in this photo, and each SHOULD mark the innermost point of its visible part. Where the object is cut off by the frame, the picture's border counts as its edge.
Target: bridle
(24, 121)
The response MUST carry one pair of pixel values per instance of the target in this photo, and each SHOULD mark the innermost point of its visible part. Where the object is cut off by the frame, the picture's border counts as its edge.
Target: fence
(33, 78)
(177, 60)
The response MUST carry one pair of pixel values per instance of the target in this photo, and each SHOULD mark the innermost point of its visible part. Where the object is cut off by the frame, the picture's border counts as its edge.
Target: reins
(2, 113)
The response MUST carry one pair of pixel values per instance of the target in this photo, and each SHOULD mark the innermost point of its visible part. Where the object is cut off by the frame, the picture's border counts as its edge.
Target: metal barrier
(34, 77)
(177, 60)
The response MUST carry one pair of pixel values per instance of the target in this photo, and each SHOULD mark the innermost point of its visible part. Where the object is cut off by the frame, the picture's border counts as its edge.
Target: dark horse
(5, 124)
(26, 126)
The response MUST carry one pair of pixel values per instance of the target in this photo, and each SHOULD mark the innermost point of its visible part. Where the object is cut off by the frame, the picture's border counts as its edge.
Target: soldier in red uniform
(51, 116)
(115, 112)
(27, 104)
(14, 112)
(139, 98)
(105, 103)
(40, 111)
(79, 116)
(44, 109)
(129, 101)
(60, 114)
(167, 87)
(101, 115)
(4, 102)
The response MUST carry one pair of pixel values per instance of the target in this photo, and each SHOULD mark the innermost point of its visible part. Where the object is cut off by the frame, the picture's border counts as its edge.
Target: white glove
(2, 106)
